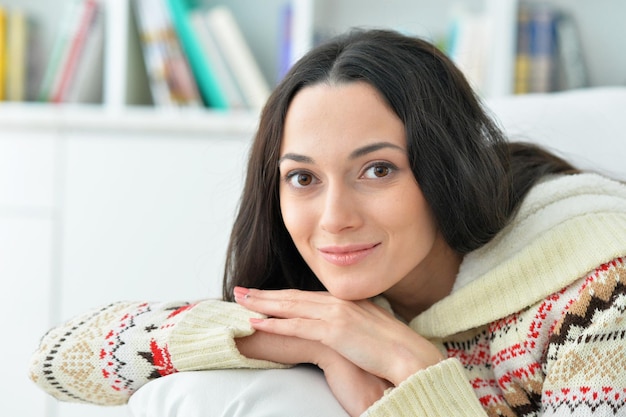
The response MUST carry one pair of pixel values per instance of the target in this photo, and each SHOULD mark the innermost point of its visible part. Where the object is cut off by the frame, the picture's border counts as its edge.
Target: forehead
(349, 113)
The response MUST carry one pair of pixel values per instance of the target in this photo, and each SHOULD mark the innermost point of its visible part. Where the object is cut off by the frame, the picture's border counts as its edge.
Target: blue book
(542, 49)
(202, 69)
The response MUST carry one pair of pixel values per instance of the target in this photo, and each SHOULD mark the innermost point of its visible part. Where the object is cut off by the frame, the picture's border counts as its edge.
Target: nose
(340, 209)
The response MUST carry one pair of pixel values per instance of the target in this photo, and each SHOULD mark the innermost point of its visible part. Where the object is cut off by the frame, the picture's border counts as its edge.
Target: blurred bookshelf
(114, 71)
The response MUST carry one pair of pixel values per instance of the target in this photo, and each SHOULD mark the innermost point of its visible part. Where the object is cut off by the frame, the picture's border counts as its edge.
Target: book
(16, 53)
(296, 37)
(172, 83)
(211, 92)
(67, 28)
(116, 87)
(285, 40)
(153, 50)
(223, 74)
(74, 50)
(572, 71)
(238, 56)
(35, 58)
(542, 48)
(522, 58)
(3, 61)
(86, 85)
(467, 46)
(181, 80)
(501, 45)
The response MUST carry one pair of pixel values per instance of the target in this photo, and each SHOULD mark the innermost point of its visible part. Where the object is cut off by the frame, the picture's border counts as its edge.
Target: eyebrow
(373, 148)
(357, 153)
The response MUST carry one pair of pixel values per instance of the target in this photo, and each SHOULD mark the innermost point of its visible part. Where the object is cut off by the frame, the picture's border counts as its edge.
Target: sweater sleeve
(103, 356)
(442, 390)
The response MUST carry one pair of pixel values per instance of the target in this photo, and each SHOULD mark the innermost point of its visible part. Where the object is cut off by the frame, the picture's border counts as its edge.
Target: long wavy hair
(457, 153)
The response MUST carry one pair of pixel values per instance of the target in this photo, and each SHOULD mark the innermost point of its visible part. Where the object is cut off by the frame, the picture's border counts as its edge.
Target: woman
(388, 234)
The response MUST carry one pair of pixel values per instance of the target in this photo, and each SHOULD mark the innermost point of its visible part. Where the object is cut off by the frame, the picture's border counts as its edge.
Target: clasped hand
(361, 348)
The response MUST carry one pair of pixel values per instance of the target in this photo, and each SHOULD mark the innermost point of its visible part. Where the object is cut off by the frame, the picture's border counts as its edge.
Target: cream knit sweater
(535, 325)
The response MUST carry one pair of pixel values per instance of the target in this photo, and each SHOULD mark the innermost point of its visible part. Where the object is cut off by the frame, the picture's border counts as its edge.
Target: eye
(378, 170)
(300, 179)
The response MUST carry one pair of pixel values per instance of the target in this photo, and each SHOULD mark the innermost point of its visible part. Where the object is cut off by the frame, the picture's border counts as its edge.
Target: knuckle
(339, 310)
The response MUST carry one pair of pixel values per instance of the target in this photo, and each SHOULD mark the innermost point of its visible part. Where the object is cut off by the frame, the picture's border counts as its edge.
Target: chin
(349, 294)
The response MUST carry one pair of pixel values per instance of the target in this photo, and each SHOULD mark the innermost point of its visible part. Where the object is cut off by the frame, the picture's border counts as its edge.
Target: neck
(428, 283)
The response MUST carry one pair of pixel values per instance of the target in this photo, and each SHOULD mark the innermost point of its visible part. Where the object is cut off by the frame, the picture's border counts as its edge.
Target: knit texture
(563, 356)
(535, 326)
(105, 355)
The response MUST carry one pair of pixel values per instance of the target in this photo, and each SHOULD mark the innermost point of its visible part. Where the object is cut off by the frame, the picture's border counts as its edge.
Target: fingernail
(241, 293)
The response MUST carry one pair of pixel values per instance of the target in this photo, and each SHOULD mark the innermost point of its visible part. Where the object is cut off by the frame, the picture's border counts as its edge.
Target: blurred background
(124, 127)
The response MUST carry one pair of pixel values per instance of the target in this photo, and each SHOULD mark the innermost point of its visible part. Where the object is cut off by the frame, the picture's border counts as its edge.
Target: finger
(308, 329)
(292, 294)
(283, 303)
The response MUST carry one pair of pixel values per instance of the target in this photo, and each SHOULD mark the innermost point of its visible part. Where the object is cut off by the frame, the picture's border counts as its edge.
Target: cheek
(297, 219)
(412, 216)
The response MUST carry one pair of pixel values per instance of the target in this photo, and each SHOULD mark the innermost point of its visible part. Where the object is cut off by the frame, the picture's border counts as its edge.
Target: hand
(281, 349)
(360, 331)
(354, 388)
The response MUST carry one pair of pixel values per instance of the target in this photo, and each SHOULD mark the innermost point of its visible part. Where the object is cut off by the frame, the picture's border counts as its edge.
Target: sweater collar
(565, 227)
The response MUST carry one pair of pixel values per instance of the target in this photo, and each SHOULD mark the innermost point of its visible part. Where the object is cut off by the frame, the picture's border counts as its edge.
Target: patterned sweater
(535, 324)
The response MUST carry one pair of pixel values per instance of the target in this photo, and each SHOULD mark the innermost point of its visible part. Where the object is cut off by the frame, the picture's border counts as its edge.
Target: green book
(209, 87)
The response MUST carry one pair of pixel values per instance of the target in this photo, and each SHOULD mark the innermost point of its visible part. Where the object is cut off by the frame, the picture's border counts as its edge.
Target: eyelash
(389, 166)
(291, 176)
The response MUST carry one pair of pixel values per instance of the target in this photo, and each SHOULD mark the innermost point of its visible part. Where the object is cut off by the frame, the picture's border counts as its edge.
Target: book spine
(75, 51)
(542, 49)
(16, 53)
(571, 61)
(501, 46)
(296, 37)
(3, 53)
(36, 63)
(67, 27)
(522, 59)
(209, 87)
(238, 56)
(468, 46)
(86, 86)
(153, 51)
(286, 39)
(224, 75)
(301, 29)
(116, 46)
(182, 85)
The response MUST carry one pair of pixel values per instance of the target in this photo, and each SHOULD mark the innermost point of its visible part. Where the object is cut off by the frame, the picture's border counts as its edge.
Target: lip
(347, 255)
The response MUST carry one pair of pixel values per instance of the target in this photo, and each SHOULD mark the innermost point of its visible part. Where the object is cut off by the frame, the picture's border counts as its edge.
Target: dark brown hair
(457, 153)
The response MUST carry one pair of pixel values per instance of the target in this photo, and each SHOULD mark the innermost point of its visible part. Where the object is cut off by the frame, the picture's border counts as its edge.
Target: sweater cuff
(204, 339)
(440, 390)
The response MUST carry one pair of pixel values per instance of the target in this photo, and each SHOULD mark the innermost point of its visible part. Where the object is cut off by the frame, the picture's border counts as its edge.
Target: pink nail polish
(240, 291)
(241, 294)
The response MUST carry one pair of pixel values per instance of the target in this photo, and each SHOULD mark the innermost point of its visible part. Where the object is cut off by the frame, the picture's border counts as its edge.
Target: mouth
(347, 255)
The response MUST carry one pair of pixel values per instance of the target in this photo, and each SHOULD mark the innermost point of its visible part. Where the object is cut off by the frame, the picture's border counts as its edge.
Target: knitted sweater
(535, 324)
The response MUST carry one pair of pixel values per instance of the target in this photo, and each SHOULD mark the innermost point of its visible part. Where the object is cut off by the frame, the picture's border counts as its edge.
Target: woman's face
(347, 194)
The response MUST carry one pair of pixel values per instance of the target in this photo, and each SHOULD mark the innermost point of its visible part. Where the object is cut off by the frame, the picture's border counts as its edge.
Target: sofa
(586, 126)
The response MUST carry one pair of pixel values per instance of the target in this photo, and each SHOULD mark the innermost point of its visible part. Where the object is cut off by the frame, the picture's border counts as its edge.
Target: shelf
(125, 84)
(144, 119)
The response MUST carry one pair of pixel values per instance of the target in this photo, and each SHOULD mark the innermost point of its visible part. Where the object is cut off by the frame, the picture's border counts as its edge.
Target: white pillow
(301, 391)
